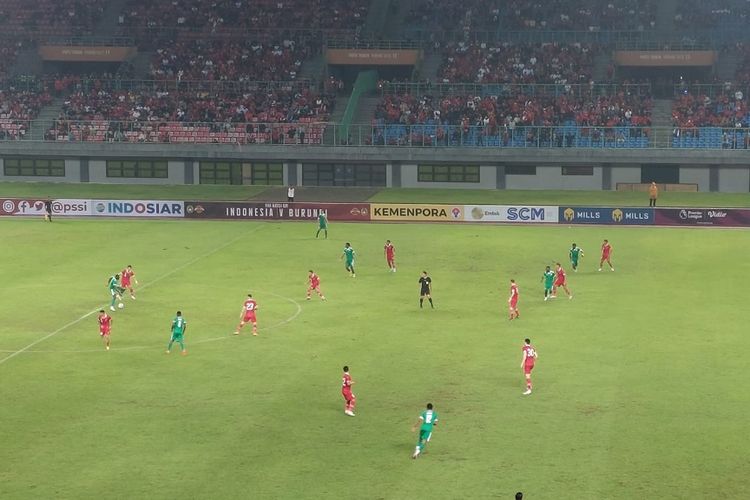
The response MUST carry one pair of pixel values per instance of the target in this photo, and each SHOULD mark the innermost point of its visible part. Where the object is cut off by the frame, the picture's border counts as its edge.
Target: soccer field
(641, 388)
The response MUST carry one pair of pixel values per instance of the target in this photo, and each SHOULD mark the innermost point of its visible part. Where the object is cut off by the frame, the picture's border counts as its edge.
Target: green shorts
(176, 338)
(424, 435)
(574, 262)
(349, 263)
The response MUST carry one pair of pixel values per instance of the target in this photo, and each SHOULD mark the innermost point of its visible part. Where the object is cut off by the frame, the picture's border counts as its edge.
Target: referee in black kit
(48, 210)
(425, 282)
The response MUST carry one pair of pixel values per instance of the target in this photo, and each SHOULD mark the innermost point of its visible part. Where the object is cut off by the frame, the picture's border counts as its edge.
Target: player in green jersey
(549, 278)
(322, 224)
(427, 420)
(116, 291)
(179, 325)
(349, 255)
(575, 253)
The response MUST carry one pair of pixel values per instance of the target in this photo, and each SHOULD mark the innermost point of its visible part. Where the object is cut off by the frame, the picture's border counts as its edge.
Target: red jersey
(346, 384)
(514, 291)
(105, 322)
(606, 249)
(389, 251)
(560, 272)
(314, 280)
(250, 306)
(529, 355)
(126, 275)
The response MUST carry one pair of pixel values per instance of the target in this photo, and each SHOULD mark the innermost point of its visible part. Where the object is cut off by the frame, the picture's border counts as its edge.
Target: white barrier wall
(551, 177)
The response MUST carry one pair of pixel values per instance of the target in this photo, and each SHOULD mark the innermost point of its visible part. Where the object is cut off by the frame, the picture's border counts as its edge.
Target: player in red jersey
(513, 300)
(126, 276)
(346, 391)
(606, 254)
(248, 314)
(390, 255)
(527, 363)
(314, 284)
(105, 327)
(560, 280)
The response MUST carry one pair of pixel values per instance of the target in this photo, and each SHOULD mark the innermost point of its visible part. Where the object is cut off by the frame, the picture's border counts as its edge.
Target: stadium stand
(23, 18)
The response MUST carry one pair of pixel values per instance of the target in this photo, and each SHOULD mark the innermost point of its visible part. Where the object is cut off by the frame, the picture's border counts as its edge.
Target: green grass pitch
(640, 391)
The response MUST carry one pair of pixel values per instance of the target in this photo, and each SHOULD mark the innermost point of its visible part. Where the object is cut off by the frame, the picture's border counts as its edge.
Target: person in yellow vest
(653, 194)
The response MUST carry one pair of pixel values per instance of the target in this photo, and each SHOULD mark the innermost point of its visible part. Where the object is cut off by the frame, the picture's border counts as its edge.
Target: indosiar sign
(596, 215)
(416, 212)
(138, 208)
(510, 213)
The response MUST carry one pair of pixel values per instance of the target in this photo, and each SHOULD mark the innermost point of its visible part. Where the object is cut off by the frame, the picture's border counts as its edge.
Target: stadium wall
(718, 170)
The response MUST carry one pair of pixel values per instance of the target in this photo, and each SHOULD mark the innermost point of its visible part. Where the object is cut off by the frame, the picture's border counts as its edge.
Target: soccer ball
(121, 305)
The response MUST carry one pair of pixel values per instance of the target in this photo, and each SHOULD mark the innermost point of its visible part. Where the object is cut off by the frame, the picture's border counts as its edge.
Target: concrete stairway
(366, 110)
(28, 63)
(108, 25)
(47, 115)
(430, 67)
(313, 69)
(331, 134)
(661, 120)
(142, 65)
(601, 63)
(726, 66)
(665, 12)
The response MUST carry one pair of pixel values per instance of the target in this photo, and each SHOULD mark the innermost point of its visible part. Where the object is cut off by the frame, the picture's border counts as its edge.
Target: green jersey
(549, 278)
(113, 285)
(322, 222)
(429, 418)
(575, 253)
(349, 253)
(178, 326)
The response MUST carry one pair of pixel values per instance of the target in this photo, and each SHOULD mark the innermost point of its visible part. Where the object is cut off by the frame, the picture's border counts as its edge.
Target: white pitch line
(202, 341)
(163, 276)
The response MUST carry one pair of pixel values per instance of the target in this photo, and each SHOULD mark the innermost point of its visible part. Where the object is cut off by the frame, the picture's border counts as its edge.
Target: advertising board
(416, 212)
(137, 208)
(35, 206)
(599, 215)
(511, 213)
(277, 211)
(728, 217)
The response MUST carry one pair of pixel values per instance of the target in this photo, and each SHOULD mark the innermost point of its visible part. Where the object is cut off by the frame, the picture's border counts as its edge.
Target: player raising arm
(390, 255)
(128, 275)
(575, 253)
(513, 300)
(179, 325)
(606, 255)
(427, 420)
(248, 315)
(527, 363)
(346, 391)
(105, 326)
(314, 284)
(349, 256)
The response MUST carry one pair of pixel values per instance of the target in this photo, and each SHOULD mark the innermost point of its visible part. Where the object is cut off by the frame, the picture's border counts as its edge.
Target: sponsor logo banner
(277, 211)
(34, 206)
(417, 213)
(730, 217)
(137, 208)
(377, 57)
(596, 215)
(510, 213)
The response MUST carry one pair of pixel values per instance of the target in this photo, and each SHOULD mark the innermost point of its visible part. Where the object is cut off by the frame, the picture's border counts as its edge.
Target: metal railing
(99, 41)
(515, 89)
(225, 87)
(372, 135)
(711, 89)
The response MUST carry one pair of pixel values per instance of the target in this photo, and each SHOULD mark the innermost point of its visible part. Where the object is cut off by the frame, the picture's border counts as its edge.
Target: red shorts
(513, 303)
(605, 257)
(390, 259)
(103, 332)
(559, 283)
(315, 287)
(348, 396)
(125, 283)
(249, 318)
(527, 369)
